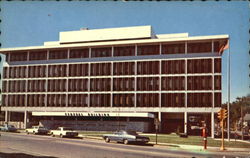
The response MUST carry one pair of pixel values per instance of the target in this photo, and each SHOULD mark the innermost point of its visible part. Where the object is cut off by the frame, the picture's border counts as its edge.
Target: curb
(185, 147)
(90, 137)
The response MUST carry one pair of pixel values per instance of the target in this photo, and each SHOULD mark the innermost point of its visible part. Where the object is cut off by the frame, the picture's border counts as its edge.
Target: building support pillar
(25, 120)
(212, 125)
(160, 123)
(7, 116)
(185, 122)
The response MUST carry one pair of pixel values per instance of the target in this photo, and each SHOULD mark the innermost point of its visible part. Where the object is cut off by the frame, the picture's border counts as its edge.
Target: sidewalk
(201, 148)
(185, 147)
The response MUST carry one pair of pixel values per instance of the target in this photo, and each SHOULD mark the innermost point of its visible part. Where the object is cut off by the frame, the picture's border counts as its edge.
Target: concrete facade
(139, 73)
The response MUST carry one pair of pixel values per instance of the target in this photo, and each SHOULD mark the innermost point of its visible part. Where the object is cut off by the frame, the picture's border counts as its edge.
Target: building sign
(73, 114)
(93, 114)
(98, 114)
(88, 114)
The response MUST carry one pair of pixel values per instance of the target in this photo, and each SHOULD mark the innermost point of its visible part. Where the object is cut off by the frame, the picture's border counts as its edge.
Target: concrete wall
(97, 125)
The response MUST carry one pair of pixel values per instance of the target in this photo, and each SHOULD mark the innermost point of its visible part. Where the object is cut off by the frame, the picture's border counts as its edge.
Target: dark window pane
(199, 100)
(100, 69)
(58, 54)
(173, 67)
(176, 48)
(19, 56)
(38, 55)
(199, 47)
(217, 65)
(101, 52)
(124, 51)
(148, 50)
(147, 100)
(79, 53)
(200, 66)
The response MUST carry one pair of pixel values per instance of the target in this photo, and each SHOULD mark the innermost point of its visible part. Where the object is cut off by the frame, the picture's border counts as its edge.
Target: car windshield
(132, 133)
(67, 128)
(41, 127)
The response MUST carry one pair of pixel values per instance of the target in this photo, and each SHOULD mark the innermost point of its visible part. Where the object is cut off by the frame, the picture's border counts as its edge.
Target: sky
(30, 23)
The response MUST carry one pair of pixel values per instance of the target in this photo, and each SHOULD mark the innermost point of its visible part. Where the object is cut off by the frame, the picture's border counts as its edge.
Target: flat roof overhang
(120, 42)
(95, 114)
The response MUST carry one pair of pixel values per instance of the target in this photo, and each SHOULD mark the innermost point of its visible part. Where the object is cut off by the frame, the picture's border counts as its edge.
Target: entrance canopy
(95, 114)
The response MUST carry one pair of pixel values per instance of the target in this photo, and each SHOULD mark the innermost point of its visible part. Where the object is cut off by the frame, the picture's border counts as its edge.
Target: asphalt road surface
(21, 145)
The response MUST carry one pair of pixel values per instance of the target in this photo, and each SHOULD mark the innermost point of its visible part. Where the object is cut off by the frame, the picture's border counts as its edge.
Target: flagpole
(228, 91)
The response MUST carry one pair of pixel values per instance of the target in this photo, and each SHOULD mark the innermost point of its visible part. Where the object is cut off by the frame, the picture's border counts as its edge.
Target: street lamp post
(228, 91)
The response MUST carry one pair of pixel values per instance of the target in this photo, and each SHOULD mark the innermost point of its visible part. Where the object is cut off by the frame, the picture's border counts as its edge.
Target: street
(39, 146)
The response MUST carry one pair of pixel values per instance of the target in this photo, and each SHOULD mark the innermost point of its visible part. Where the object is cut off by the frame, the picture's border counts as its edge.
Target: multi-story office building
(104, 79)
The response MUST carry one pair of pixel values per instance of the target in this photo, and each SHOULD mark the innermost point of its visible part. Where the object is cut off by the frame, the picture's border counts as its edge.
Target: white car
(64, 132)
(37, 130)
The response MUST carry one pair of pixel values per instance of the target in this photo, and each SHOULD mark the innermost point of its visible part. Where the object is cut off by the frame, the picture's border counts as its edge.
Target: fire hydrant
(204, 135)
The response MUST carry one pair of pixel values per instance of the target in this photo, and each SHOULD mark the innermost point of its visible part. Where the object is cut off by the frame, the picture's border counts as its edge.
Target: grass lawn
(197, 140)
(175, 139)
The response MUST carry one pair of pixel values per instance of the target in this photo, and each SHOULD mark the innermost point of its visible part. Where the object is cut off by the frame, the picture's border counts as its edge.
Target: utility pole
(228, 91)
(222, 115)
(242, 137)
(157, 123)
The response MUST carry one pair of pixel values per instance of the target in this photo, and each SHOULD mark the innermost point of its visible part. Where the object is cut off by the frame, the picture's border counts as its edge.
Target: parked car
(7, 128)
(125, 137)
(64, 132)
(37, 130)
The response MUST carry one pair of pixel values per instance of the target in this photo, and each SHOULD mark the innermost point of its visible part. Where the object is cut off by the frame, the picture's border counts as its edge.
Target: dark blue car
(125, 137)
(8, 128)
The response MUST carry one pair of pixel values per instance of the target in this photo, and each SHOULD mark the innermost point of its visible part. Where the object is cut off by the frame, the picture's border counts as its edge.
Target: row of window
(119, 84)
(119, 100)
(119, 68)
(151, 49)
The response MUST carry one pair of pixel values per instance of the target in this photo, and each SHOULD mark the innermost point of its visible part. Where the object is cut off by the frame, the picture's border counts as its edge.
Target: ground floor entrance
(189, 123)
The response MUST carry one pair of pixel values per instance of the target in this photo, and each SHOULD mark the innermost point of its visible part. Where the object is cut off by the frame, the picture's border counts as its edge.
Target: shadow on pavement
(138, 144)
(21, 155)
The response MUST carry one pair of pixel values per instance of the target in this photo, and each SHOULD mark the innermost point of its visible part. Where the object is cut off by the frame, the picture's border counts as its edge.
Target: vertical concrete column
(135, 78)
(186, 95)
(112, 80)
(160, 78)
(213, 101)
(25, 119)
(159, 118)
(26, 86)
(212, 124)
(89, 82)
(67, 83)
(213, 83)
(185, 122)
(6, 116)
(46, 81)
(186, 47)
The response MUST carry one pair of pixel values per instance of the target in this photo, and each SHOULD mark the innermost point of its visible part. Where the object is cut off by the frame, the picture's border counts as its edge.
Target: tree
(238, 108)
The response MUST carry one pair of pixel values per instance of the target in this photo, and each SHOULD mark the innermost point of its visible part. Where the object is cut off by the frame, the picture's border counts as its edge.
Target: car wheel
(61, 136)
(107, 140)
(34, 132)
(52, 135)
(27, 132)
(125, 141)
